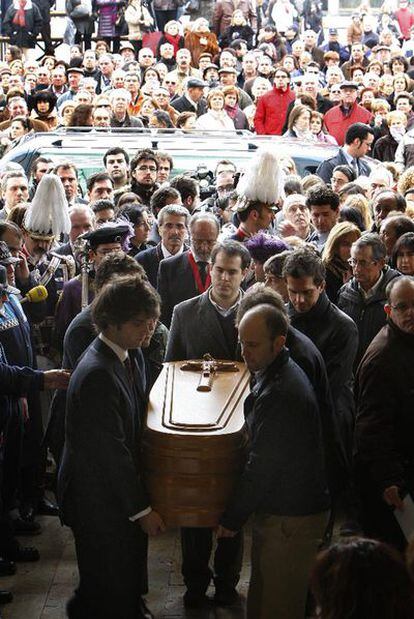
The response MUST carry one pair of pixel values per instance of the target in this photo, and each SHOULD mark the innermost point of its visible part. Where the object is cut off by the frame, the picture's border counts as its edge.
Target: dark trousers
(87, 39)
(115, 42)
(163, 17)
(196, 547)
(112, 564)
(137, 46)
(45, 32)
(34, 456)
(376, 517)
(10, 460)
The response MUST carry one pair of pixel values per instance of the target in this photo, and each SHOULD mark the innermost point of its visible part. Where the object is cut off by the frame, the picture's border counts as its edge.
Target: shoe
(195, 600)
(47, 508)
(27, 512)
(6, 597)
(226, 597)
(21, 526)
(7, 568)
(23, 554)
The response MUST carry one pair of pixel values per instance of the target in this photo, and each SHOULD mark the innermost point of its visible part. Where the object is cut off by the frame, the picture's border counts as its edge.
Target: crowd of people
(309, 280)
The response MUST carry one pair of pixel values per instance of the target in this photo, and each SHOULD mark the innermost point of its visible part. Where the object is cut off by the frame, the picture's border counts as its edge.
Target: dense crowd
(309, 280)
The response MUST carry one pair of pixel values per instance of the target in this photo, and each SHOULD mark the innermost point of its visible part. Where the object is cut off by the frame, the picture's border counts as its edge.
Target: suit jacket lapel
(208, 319)
(118, 368)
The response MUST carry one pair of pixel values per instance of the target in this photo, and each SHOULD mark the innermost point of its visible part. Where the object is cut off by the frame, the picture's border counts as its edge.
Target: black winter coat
(23, 37)
(336, 337)
(384, 433)
(385, 148)
(369, 316)
(284, 474)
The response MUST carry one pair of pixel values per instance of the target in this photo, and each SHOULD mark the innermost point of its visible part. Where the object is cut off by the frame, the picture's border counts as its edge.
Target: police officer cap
(106, 234)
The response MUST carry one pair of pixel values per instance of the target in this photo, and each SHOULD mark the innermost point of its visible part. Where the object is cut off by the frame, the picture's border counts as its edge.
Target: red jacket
(271, 111)
(337, 122)
(405, 18)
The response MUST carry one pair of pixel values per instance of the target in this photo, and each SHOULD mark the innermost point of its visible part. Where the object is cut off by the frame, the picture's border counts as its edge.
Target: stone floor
(41, 589)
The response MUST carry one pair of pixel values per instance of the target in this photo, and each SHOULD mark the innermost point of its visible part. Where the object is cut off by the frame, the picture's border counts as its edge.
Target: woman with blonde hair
(360, 202)
(216, 118)
(335, 256)
(238, 29)
(386, 85)
(199, 40)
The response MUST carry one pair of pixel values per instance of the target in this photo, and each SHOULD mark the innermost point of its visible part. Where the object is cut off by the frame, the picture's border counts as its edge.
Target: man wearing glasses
(363, 298)
(144, 169)
(272, 106)
(384, 424)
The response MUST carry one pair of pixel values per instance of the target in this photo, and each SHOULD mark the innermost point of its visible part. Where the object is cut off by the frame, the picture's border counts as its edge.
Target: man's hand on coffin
(223, 532)
(152, 524)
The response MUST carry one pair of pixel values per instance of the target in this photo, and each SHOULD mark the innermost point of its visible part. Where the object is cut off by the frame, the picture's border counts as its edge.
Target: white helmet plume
(48, 212)
(263, 180)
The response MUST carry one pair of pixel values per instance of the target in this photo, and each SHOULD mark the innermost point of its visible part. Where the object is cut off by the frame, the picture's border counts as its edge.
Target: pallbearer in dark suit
(101, 493)
(206, 324)
(188, 275)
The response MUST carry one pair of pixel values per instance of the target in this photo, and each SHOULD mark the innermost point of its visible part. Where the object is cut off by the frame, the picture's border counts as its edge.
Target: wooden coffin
(194, 443)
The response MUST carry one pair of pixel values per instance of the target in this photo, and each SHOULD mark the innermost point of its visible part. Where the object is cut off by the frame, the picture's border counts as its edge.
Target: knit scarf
(231, 110)
(20, 18)
(338, 267)
(174, 40)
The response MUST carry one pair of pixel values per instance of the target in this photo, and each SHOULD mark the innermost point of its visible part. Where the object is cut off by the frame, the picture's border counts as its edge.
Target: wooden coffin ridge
(194, 443)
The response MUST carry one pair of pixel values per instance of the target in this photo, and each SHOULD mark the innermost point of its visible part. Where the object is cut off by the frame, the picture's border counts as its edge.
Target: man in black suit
(188, 275)
(206, 324)
(358, 141)
(172, 225)
(101, 493)
(192, 100)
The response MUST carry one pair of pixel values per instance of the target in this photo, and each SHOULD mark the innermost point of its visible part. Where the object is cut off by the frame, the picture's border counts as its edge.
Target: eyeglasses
(402, 308)
(362, 263)
(147, 168)
(171, 83)
(208, 242)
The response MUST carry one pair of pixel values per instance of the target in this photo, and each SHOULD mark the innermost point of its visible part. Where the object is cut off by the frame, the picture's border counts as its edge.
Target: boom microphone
(35, 295)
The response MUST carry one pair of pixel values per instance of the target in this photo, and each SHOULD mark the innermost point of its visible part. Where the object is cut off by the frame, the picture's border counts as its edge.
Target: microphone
(35, 295)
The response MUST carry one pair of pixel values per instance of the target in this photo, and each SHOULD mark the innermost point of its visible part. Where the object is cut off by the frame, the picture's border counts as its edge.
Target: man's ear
(278, 343)
(387, 309)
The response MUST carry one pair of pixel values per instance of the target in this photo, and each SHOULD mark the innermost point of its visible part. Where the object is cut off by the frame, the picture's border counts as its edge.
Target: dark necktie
(355, 166)
(129, 370)
(203, 270)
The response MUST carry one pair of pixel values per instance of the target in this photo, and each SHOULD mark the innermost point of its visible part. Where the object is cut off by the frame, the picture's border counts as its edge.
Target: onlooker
(362, 578)
(364, 296)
